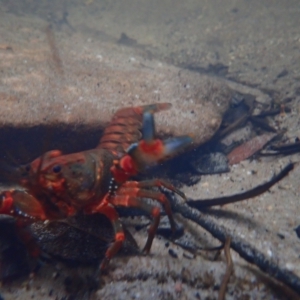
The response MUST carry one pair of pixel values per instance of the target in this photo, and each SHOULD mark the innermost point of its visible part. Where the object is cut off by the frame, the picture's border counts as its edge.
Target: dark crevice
(22, 145)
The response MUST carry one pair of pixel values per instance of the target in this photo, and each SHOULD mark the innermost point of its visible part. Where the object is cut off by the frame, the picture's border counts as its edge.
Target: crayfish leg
(154, 211)
(155, 183)
(21, 205)
(133, 193)
(24, 210)
(109, 211)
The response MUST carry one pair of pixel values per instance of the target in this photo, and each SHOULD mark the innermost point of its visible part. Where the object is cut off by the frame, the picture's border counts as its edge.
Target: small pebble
(188, 255)
(178, 287)
(173, 253)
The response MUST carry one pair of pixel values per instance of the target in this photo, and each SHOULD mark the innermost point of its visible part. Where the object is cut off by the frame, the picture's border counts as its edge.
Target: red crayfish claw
(149, 151)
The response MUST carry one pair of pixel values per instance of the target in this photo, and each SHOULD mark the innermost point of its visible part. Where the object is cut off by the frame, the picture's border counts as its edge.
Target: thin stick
(55, 57)
(229, 270)
(245, 250)
(200, 204)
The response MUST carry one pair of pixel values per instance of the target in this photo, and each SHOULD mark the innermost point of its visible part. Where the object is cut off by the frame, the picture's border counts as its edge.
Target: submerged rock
(68, 80)
(211, 163)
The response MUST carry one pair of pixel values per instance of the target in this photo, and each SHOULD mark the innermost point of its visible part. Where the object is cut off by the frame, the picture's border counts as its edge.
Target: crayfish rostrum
(96, 181)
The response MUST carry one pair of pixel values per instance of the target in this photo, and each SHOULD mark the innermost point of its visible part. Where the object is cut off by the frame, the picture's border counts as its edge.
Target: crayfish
(97, 181)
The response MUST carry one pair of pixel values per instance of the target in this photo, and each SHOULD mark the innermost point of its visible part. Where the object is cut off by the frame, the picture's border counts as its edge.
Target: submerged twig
(272, 112)
(238, 123)
(287, 149)
(200, 204)
(55, 57)
(229, 270)
(245, 250)
(262, 123)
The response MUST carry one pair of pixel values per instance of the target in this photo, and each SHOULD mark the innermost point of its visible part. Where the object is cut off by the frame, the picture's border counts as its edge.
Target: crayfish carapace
(96, 181)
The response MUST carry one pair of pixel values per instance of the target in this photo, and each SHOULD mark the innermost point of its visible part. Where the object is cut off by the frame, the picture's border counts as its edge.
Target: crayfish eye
(56, 169)
(25, 171)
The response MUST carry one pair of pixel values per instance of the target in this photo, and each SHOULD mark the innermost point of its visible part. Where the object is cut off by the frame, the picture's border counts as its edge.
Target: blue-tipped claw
(174, 145)
(148, 129)
(150, 151)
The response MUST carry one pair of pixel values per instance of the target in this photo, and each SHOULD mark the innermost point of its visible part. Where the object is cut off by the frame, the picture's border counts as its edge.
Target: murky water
(66, 66)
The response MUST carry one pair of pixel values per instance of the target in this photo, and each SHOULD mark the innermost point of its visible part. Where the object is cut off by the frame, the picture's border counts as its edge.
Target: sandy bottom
(253, 44)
